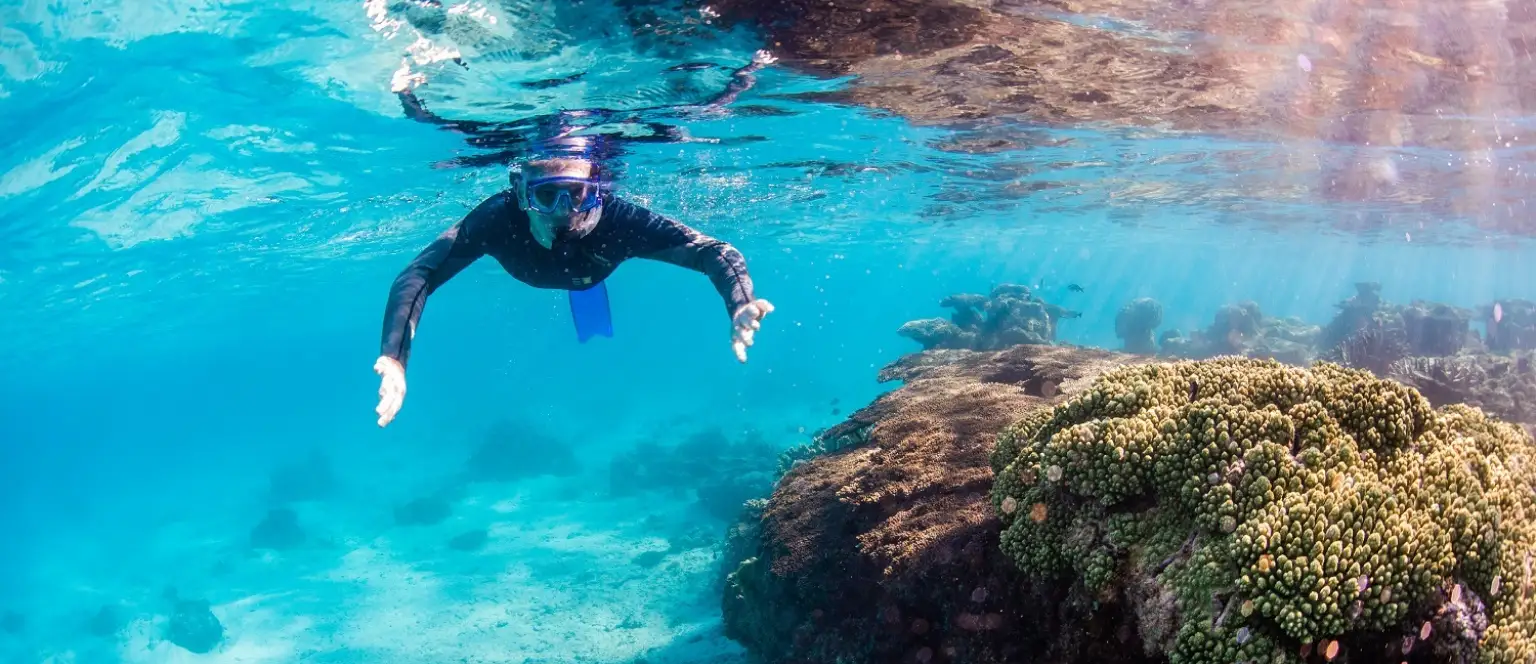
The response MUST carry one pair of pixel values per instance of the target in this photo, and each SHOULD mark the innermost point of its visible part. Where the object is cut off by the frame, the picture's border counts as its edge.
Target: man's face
(555, 191)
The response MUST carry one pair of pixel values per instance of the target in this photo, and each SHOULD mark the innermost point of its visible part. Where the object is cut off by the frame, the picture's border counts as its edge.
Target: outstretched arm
(743, 79)
(650, 235)
(452, 251)
(656, 237)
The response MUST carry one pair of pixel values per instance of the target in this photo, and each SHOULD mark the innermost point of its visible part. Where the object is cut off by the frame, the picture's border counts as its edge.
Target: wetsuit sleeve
(458, 247)
(741, 80)
(657, 237)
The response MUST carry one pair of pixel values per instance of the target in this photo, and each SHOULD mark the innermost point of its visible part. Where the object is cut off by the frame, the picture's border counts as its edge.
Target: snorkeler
(557, 227)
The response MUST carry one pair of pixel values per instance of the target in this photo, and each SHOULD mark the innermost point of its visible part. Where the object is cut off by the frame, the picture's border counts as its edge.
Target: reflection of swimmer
(514, 138)
(558, 228)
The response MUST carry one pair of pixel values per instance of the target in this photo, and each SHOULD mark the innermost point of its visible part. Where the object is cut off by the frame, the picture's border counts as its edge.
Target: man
(557, 227)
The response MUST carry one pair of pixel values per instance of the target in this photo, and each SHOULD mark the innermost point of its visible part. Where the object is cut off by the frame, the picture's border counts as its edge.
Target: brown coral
(858, 545)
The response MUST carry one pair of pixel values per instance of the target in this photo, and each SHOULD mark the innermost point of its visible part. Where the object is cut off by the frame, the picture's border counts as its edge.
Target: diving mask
(563, 194)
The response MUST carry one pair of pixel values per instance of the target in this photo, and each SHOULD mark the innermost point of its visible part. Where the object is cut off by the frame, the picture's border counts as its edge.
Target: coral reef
(1374, 348)
(1242, 329)
(194, 627)
(1144, 509)
(719, 472)
(469, 540)
(1010, 315)
(1136, 322)
(1249, 510)
(1370, 333)
(424, 511)
(1511, 325)
(278, 531)
(310, 478)
(1504, 387)
(106, 622)
(887, 550)
(513, 451)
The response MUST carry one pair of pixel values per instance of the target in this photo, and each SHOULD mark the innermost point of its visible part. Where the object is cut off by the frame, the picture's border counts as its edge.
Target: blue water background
(203, 208)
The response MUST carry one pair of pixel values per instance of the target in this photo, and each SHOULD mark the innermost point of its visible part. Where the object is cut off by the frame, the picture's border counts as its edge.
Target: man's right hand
(391, 388)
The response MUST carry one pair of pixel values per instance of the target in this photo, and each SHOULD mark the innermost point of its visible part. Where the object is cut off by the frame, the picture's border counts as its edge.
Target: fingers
(389, 404)
(748, 321)
(391, 389)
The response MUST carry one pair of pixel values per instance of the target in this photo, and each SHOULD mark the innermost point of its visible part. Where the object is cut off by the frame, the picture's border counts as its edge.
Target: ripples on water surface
(203, 205)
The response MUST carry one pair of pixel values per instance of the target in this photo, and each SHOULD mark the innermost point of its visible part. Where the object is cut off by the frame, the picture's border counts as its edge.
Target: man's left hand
(748, 319)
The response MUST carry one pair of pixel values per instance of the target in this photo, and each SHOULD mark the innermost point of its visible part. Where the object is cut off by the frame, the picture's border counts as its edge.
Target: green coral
(1281, 506)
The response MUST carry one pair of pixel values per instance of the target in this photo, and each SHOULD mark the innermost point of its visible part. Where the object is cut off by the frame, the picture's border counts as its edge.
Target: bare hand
(748, 319)
(391, 388)
(403, 80)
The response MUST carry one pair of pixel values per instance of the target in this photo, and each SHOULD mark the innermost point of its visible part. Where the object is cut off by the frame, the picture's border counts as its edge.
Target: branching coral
(1278, 510)
(1374, 348)
(1502, 386)
(1375, 327)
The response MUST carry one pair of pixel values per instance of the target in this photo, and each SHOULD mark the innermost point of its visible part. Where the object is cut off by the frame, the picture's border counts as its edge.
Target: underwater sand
(565, 573)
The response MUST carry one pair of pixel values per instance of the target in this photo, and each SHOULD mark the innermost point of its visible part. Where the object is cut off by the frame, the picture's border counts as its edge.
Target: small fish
(1074, 288)
(836, 400)
(1194, 387)
(837, 411)
(1498, 312)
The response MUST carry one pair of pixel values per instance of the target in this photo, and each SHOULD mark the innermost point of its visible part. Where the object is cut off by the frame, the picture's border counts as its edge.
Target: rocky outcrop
(887, 551)
(888, 547)
(1012, 314)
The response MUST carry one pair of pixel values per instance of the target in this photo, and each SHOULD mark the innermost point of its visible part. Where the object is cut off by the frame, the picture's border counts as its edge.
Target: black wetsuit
(499, 228)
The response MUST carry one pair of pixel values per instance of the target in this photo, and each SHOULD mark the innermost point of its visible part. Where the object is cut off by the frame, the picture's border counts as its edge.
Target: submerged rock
(1011, 314)
(106, 622)
(1243, 329)
(279, 531)
(1504, 386)
(425, 511)
(472, 540)
(311, 478)
(887, 549)
(194, 627)
(718, 471)
(1136, 322)
(516, 450)
(1511, 325)
(988, 518)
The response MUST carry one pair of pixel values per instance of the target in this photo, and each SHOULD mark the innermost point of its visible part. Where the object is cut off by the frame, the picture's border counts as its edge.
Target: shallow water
(204, 206)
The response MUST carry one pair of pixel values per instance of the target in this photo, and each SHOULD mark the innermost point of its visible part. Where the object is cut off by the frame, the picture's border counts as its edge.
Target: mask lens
(547, 195)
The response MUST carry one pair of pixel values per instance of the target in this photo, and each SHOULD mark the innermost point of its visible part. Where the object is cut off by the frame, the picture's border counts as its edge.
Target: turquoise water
(205, 204)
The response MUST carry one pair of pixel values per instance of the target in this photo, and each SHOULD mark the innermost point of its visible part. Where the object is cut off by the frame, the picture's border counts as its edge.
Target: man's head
(562, 196)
